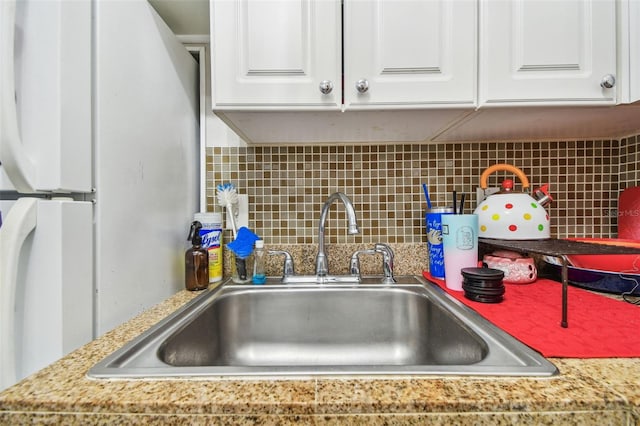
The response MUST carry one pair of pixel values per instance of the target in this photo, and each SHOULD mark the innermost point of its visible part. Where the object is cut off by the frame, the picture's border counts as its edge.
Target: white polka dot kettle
(512, 215)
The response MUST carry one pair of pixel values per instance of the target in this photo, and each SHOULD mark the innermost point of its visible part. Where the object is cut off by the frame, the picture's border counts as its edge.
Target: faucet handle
(354, 265)
(288, 269)
(387, 262)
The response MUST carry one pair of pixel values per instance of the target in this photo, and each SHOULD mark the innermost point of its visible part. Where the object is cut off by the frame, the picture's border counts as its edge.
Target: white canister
(211, 234)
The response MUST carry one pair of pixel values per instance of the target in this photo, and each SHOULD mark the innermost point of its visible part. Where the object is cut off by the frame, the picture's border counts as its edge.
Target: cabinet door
(411, 53)
(547, 51)
(274, 54)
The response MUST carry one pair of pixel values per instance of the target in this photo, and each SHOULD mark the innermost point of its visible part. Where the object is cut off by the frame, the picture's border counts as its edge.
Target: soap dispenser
(196, 261)
(259, 256)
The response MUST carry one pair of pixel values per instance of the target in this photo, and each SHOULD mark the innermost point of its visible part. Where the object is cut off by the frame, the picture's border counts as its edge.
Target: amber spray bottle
(196, 261)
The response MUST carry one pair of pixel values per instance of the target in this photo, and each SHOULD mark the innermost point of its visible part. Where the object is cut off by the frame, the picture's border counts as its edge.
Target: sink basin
(411, 327)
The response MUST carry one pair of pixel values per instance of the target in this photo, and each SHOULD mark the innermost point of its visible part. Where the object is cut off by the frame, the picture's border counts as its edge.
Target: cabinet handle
(326, 86)
(608, 81)
(362, 85)
(15, 154)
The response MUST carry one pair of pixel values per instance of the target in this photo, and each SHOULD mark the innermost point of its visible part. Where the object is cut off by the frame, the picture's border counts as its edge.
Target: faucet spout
(322, 268)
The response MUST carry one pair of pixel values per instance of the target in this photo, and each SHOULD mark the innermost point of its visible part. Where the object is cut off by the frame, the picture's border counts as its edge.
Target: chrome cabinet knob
(362, 85)
(608, 81)
(326, 86)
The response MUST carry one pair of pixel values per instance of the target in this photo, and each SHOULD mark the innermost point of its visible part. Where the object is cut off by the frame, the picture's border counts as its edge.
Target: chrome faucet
(322, 268)
(354, 265)
(387, 262)
(288, 269)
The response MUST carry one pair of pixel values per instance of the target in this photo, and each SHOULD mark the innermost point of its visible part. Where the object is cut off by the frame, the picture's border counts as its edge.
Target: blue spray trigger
(242, 246)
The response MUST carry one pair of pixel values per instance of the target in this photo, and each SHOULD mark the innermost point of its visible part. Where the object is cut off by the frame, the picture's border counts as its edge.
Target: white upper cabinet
(287, 54)
(274, 54)
(409, 53)
(547, 52)
(441, 63)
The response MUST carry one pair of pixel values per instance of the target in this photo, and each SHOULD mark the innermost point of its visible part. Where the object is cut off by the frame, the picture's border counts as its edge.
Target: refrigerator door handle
(19, 166)
(17, 226)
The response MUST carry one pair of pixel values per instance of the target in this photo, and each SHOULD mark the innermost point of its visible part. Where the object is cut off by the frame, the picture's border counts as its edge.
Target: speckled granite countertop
(593, 391)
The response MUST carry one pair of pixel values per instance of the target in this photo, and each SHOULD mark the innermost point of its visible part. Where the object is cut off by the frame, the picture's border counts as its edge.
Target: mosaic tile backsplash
(287, 185)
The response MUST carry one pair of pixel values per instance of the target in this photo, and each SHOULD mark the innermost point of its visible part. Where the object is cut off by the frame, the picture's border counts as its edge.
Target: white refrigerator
(99, 178)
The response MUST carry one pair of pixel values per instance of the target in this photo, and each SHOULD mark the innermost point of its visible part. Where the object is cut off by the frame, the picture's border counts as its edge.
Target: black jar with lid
(483, 284)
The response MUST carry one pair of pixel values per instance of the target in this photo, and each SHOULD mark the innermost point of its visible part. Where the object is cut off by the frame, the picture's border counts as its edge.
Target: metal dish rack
(560, 249)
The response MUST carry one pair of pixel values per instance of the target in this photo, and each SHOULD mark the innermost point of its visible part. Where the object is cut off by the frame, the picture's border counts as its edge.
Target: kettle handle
(507, 168)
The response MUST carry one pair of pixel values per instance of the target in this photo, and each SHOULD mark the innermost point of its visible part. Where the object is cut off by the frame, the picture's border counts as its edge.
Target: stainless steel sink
(368, 328)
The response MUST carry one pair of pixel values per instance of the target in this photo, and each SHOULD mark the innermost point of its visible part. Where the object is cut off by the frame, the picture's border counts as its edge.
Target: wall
(287, 185)
(629, 159)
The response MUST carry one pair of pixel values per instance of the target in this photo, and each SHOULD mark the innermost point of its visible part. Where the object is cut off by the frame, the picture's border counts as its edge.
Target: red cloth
(599, 327)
